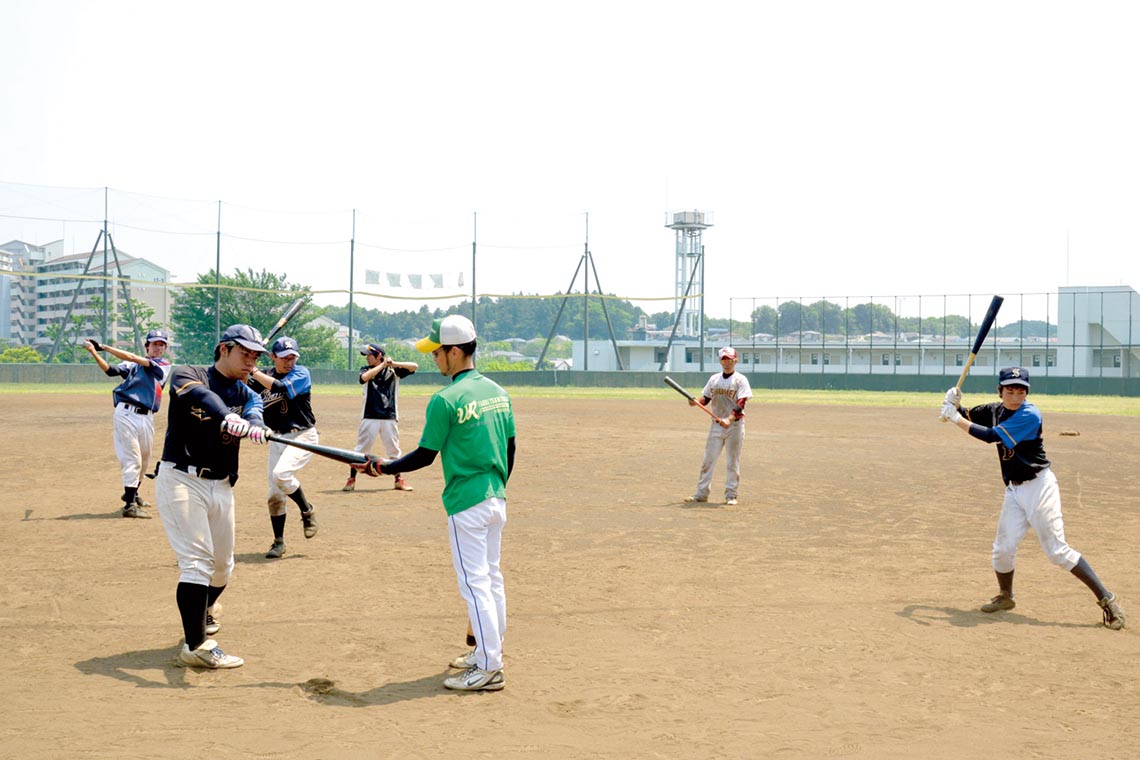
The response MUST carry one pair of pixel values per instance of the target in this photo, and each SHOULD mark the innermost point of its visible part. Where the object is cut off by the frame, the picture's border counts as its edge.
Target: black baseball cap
(373, 349)
(154, 335)
(284, 346)
(1014, 376)
(245, 336)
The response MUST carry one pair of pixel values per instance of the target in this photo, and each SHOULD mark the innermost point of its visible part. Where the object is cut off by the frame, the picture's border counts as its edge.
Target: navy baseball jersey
(142, 386)
(289, 403)
(380, 393)
(200, 398)
(1020, 450)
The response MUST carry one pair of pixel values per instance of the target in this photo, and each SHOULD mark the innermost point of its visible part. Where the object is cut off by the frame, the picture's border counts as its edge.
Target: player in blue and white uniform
(1032, 497)
(137, 398)
(211, 409)
(725, 394)
(286, 392)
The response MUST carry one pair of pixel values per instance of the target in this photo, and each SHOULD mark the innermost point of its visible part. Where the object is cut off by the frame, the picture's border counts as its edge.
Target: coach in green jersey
(472, 424)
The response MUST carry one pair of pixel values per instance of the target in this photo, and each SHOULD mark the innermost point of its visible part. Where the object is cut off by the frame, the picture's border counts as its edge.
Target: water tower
(689, 269)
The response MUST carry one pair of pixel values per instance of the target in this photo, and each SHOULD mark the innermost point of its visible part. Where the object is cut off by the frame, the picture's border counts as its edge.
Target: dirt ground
(833, 613)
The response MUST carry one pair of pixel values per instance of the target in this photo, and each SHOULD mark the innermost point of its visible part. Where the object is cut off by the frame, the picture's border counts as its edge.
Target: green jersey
(469, 423)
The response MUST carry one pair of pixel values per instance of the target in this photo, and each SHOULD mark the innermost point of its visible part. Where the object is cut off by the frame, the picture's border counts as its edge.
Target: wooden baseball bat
(983, 331)
(291, 312)
(673, 384)
(346, 456)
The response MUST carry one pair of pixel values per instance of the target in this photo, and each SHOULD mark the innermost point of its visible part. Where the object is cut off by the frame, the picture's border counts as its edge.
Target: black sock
(129, 495)
(351, 474)
(278, 522)
(213, 593)
(1005, 583)
(470, 640)
(192, 603)
(299, 499)
(1084, 571)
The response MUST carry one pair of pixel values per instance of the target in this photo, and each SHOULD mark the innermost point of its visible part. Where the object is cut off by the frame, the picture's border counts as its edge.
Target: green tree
(253, 298)
(20, 355)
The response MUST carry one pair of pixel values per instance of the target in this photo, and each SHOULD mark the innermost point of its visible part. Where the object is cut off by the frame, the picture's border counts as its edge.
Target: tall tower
(688, 226)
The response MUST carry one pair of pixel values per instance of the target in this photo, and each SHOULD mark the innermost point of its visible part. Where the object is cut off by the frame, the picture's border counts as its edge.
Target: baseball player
(1032, 497)
(381, 379)
(288, 399)
(725, 394)
(137, 398)
(471, 423)
(211, 409)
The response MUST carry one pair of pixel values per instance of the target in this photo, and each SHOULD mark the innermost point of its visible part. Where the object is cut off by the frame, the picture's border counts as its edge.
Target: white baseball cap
(727, 352)
(453, 330)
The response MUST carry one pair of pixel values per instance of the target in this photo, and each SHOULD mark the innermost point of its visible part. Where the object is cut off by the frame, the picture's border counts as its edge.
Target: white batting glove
(235, 426)
(257, 435)
(950, 413)
(954, 396)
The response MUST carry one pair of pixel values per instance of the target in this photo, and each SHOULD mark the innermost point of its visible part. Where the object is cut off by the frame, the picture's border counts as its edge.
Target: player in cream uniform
(725, 394)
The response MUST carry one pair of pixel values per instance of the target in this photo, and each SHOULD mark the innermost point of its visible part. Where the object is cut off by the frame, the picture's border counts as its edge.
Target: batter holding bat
(725, 394)
(381, 380)
(137, 398)
(286, 392)
(211, 409)
(1032, 496)
(471, 423)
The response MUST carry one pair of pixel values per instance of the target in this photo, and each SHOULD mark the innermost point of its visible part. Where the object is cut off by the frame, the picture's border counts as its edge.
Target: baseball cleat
(140, 501)
(349, 485)
(208, 655)
(476, 679)
(402, 485)
(212, 626)
(730, 501)
(464, 661)
(277, 550)
(310, 523)
(134, 510)
(1113, 615)
(696, 499)
(999, 603)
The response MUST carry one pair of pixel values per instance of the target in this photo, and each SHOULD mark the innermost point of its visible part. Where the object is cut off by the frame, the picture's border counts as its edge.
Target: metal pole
(218, 279)
(701, 321)
(586, 300)
(106, 299)
(351, 286)
(474, 238)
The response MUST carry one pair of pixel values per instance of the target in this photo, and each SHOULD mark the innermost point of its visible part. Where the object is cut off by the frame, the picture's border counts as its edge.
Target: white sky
(843, 148)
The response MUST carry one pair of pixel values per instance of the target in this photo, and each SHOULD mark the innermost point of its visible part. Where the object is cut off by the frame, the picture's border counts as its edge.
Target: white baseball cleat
(476, 679)
(464, 661)
(730, 501)
(208, 655)
(212, 626)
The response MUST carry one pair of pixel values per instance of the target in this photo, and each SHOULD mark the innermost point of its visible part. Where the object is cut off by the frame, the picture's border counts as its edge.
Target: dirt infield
(832, 613)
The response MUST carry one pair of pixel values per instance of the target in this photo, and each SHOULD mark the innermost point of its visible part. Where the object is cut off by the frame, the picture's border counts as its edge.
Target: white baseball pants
(284, 462)
(476, 537)
(134, 436)
(731, 439)
(198, 516)
(1035, 503)
(386, 430)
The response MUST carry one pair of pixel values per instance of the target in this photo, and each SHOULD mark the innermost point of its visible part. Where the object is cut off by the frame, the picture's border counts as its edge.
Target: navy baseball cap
(154, 335)
(373, 349)
(283, 347)
(245, 336)
(1014, 376)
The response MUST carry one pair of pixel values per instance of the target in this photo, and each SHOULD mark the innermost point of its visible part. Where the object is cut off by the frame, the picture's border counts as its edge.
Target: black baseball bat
(347, 456)
(983, 331)
(675, 386)
(291, 312)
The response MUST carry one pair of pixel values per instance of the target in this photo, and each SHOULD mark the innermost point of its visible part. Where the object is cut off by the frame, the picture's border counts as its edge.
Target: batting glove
(954, 396)
(235, 426)
(257, 435)
(950, 413)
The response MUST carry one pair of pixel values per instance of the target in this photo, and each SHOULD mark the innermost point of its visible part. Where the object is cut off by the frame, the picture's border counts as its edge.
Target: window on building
(815, 359)
(1037, 360)
(898, 359)
(826, 359)
(1050, 360)
(886, 360)
(958, 360)
(1116, 360)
